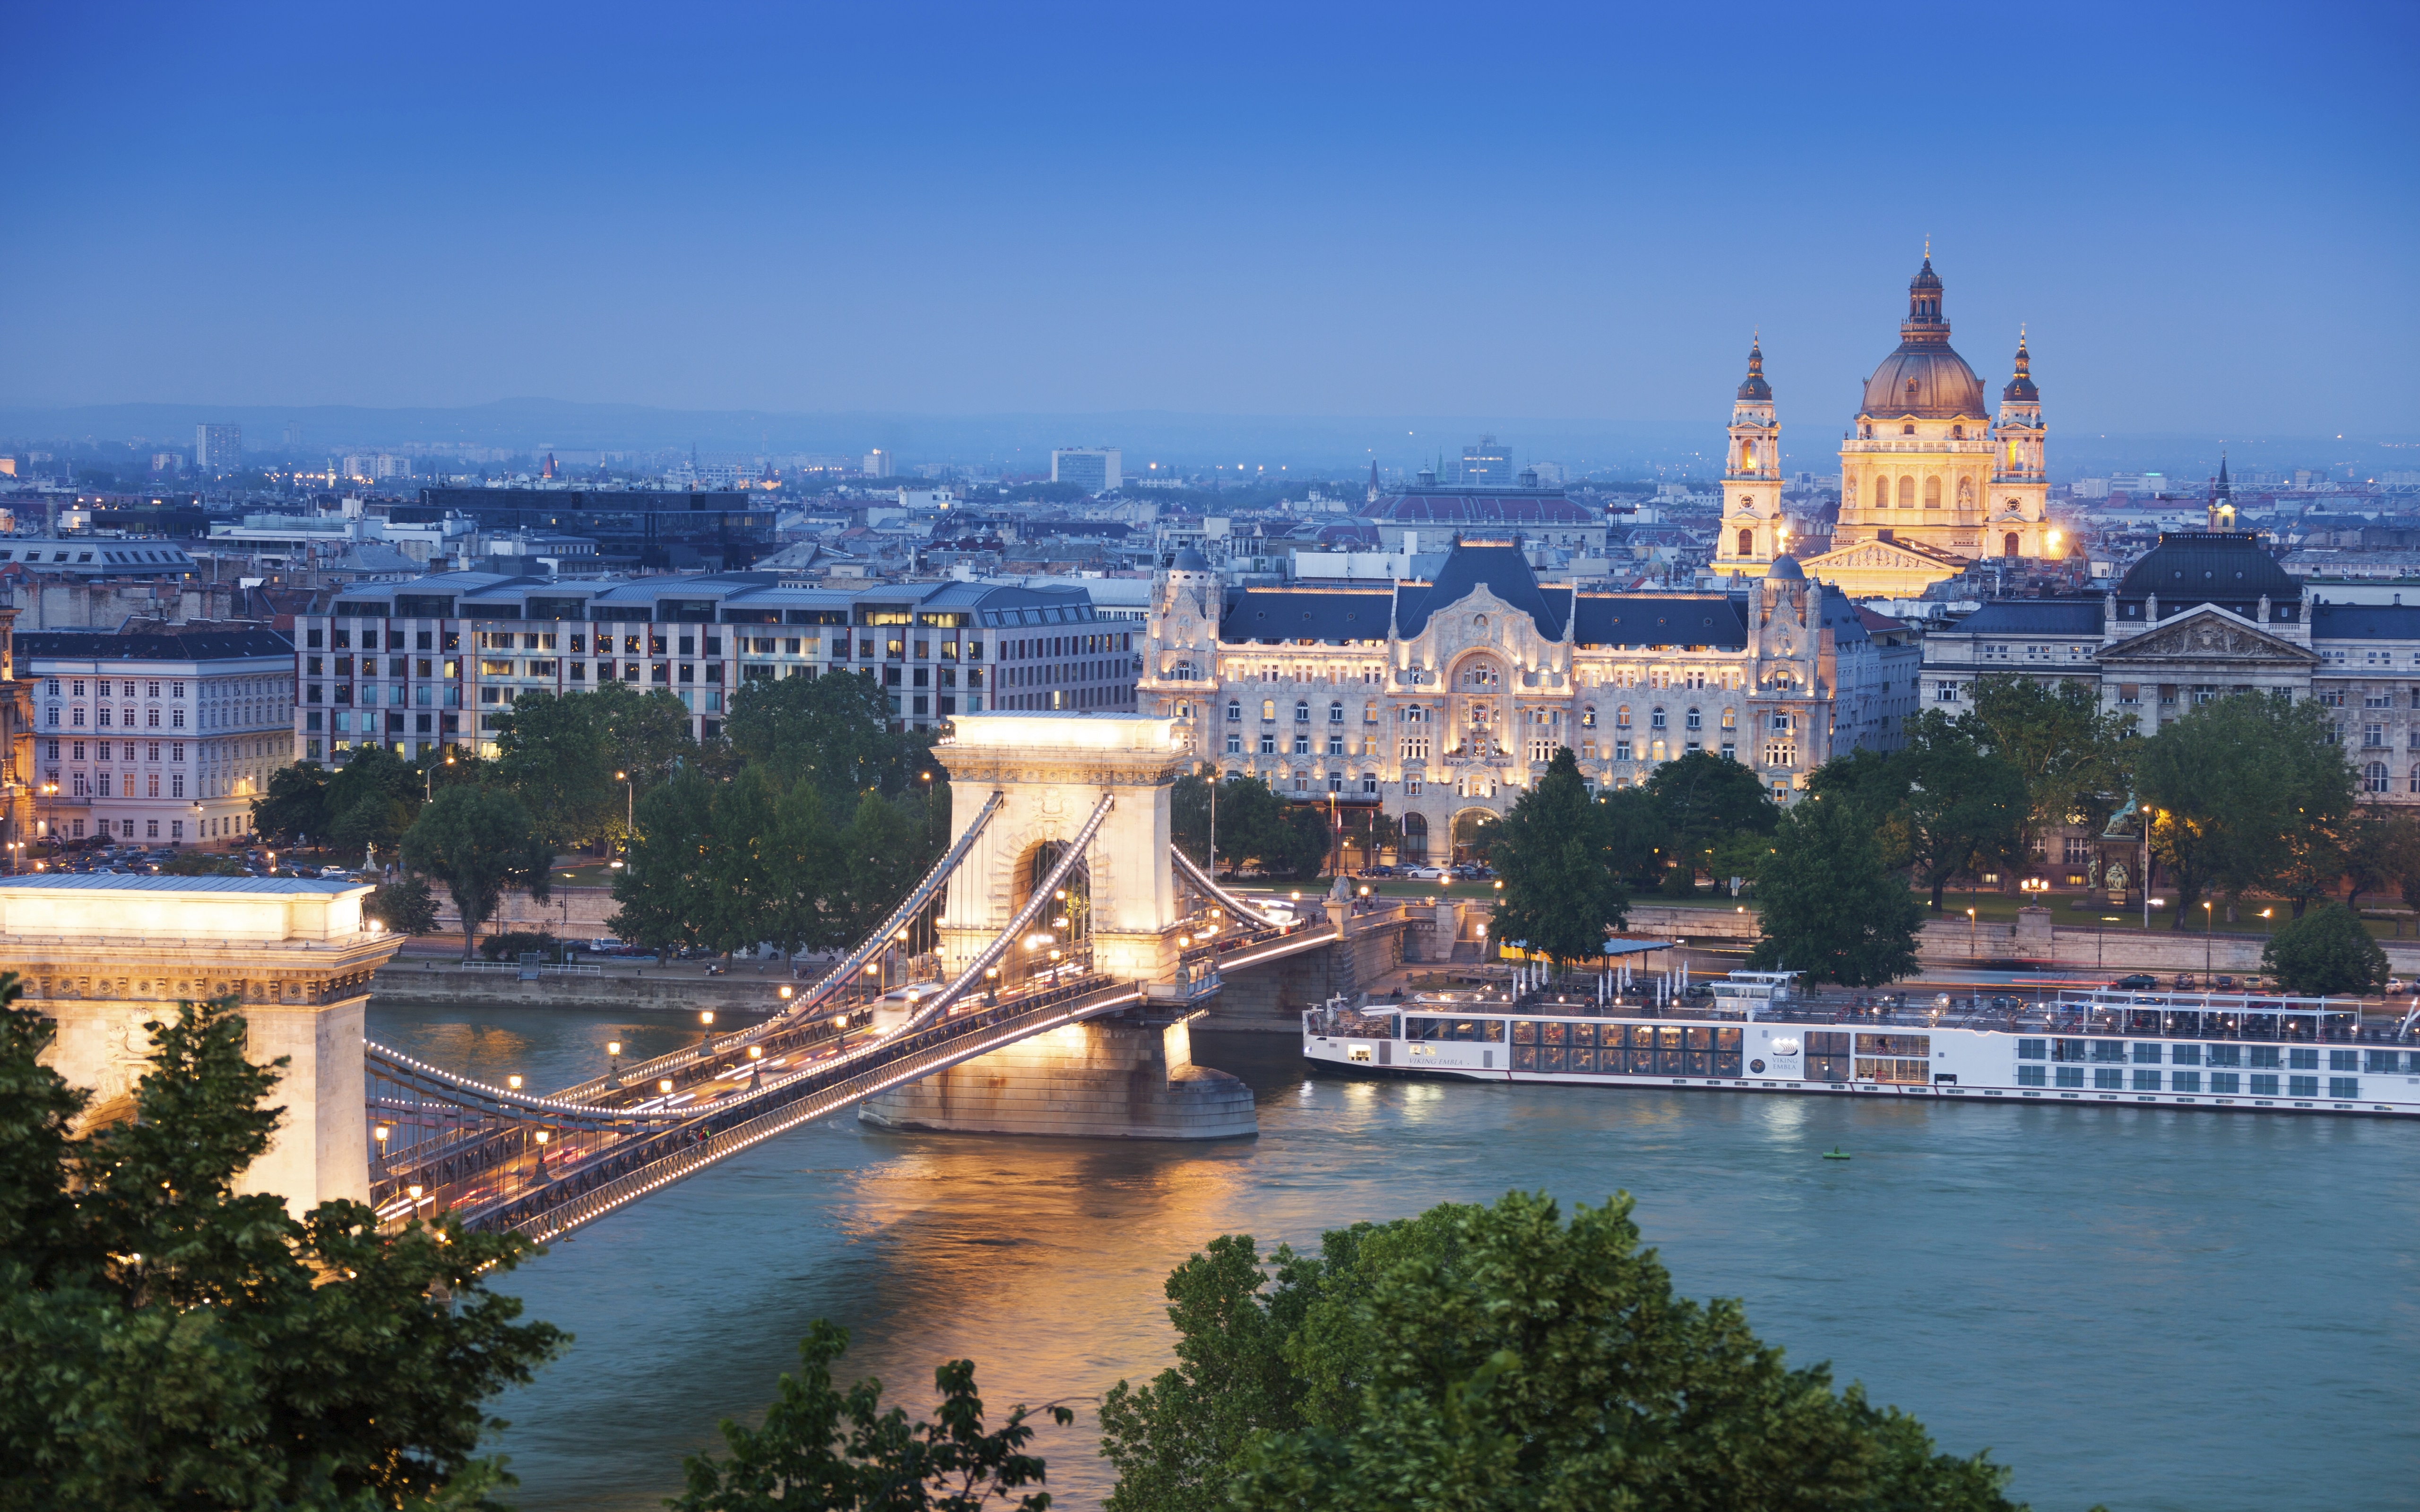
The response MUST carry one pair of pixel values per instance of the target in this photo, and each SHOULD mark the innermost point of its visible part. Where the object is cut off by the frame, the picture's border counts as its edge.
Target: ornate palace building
(1929, 482)
(1438, 700)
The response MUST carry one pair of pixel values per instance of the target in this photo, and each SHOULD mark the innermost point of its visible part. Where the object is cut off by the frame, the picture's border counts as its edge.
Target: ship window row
(2154, 1051)
(2215, 1083)
(1633, 1035)
(1594, 1060)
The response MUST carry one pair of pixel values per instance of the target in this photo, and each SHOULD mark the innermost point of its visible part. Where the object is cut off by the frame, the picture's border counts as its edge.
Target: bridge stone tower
(1130, 1077)
(1051, 770)
(101, 955)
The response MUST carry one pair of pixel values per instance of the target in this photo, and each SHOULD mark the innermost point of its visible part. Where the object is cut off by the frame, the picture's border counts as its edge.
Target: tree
(166, 1342)
(2073, 758)
(1963, 804)
(1830, 904)
(295, 805)
(1704, 798)
(665, 894)
(479, 840)
(2241, 792)
(2381, 847)
(405, 908)
(1561, 891)
(372, 800)
(824, 1450)
(554, 754)
(1635, 833)
(2325, 952)
(1188, 817)
(834, 731)
(1498, 1357)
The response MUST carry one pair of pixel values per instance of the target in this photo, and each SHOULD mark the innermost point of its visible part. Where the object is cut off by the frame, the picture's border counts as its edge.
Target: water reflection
(2153, 1309)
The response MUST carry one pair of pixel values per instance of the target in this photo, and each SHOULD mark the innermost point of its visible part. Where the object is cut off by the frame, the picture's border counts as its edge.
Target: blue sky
(2206, 215)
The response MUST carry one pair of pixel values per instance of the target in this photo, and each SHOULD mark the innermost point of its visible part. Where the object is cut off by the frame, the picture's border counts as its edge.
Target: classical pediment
(2208, 633)
(1868, 556)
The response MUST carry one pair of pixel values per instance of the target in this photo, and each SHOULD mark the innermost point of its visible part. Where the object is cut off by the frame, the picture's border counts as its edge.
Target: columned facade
(1434, 700)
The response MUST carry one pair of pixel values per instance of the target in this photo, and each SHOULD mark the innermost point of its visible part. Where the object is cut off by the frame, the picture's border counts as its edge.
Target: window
(2373, 777)
(2070, 1076)
(2301, 1087)
(2147, 1081)
(1268, 743)
(2184, 1081)
(2033, 1075)
(2108, 1079)
(2344, 1087)
(1656, 718)
(1945, 692)
(1268, 711)
(2262, 1085)
(2033, 1049)
(1302, 711)
(1235, 743)
(1336, 713)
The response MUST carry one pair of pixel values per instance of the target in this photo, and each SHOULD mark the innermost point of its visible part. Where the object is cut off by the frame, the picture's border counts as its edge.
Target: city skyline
(2204, 229)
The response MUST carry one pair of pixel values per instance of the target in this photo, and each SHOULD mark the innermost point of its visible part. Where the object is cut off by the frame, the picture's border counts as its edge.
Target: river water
(2156, 1310)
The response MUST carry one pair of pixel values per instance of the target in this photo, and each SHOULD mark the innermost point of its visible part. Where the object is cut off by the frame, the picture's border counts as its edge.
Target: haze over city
(1559, 221)
(1418, 756)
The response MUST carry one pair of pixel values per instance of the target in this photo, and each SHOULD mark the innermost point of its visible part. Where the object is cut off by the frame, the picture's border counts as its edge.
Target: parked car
(2396, 985)
(2139, 981)
(1424, 874)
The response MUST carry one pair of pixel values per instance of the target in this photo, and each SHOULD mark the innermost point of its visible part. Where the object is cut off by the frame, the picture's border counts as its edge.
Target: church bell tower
(1753, 530)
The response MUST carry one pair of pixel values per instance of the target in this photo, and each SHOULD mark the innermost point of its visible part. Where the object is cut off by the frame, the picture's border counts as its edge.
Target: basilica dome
(1925, 378)
(1931, 382)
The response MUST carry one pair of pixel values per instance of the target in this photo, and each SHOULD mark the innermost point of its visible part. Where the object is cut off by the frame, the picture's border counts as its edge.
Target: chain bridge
(1038, 979)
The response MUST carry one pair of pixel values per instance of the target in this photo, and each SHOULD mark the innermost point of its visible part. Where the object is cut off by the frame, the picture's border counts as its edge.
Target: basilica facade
(1930, 481)
(1435, 701)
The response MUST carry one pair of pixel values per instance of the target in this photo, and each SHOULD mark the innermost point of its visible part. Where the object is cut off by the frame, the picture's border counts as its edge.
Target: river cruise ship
(2220, 1053)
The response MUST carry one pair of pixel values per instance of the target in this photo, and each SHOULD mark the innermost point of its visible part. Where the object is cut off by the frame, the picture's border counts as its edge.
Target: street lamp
(1970, 934)
(614, 1063)
(2208, 932)
(705, 1017)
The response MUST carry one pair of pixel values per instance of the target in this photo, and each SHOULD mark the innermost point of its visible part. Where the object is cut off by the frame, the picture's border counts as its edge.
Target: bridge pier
(1108, 1078)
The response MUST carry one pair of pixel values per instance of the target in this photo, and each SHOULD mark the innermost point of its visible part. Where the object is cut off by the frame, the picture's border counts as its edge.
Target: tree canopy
(1705, 799)
(480, 840)
(575, 759)
(1555, 854)
(821, 1449)
(2075, 761)
(2325, 952)
(166, 1342)
(1832, 905)
(1962, 805)
(1496, 1357)
(2241, 791)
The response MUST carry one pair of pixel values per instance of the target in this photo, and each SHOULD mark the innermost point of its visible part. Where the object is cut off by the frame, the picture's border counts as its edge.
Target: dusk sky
(2207, 216)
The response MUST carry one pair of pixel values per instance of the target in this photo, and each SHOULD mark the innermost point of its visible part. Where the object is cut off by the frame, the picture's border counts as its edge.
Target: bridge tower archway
(1051, 772)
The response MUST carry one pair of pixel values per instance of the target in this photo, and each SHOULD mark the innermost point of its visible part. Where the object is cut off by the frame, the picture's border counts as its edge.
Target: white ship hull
(2084, 1054)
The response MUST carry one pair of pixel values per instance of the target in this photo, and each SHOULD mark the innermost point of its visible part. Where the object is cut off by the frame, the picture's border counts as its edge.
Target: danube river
(2150, 1309)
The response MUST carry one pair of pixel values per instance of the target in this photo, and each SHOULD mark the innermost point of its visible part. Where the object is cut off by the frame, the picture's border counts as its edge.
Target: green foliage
(568, 757)
(1635, 833)
(2075, 761)
(1562, 891)
(833, 733)
(167, 1343)
(1963, 805)
(825, 1450)
(2325, 952)
(295, 805)
(480, 840)
(1474, 835)
(405, 908)
(372, 800)
(1257, 828)
(2246, 792)
(507, 945)
(1705, 799)
(1831, 905)
(1498, 1357)
(202, 864)
(728, 865)
(1188, 817)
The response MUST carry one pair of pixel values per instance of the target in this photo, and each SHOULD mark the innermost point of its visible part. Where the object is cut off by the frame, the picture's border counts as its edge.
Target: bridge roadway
(545, 1166)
